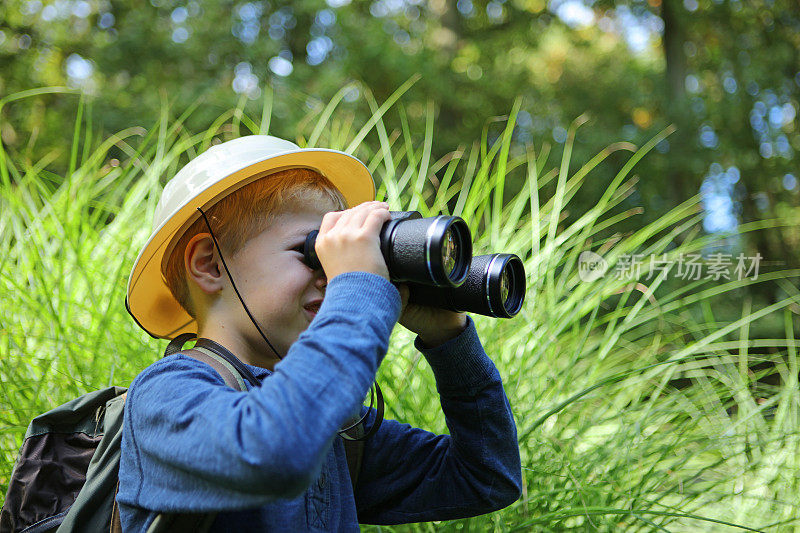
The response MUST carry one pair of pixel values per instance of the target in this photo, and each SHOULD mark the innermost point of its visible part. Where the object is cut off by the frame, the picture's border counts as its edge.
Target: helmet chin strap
(228, 272)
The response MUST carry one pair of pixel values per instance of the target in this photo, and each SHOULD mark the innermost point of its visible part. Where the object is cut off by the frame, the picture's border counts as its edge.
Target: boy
(270, 459)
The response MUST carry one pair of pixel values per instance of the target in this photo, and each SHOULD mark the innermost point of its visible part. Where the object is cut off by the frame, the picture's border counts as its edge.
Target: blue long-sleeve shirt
(270, 459)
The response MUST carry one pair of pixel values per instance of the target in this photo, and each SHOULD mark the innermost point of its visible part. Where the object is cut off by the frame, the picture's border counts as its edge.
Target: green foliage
(725, 73)
(639, 404)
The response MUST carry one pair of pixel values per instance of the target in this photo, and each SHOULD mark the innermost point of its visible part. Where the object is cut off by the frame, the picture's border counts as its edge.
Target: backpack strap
(228, 372)
(116, 525)
(176, 344)
(226, 366)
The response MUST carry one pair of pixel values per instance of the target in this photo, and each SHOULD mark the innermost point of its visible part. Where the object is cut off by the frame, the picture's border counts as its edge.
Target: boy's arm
(411, 475)
(192, 444)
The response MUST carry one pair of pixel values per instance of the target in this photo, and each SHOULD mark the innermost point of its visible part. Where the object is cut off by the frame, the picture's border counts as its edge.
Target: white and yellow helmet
(205, 180)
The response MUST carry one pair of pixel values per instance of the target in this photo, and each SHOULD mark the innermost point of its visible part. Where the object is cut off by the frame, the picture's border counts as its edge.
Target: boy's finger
(368, 206)
(375, 220)
(360, 215)
(329, 220)
(360, 212)
(357, 217)
(345, 219)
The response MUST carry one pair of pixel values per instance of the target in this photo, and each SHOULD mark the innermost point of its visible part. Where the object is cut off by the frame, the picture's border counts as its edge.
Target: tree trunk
(677, 104)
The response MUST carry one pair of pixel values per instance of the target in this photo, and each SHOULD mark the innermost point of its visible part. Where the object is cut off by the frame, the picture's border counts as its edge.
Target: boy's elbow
(510, 494)
(508, 487)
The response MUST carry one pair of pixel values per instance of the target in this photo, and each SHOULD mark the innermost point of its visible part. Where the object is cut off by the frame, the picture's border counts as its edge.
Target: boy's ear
(201, 263)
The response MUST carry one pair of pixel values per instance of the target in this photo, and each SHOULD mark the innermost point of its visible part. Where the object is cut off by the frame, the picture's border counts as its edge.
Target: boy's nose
(322, 281)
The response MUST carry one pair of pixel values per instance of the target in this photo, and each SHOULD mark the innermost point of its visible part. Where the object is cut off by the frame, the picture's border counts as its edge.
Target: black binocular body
(433, 256)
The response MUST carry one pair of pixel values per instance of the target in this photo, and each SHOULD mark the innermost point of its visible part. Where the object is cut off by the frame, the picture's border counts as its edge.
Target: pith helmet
(205, 180)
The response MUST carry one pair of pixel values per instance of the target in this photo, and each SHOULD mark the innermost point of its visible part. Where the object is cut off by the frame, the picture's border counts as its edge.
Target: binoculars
(434, 257)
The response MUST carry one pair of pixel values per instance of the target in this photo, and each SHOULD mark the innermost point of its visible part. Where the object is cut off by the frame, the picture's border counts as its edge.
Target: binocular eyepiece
(434, 257)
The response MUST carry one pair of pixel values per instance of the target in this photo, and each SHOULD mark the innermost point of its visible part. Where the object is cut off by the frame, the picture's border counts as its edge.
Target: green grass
(608, 441)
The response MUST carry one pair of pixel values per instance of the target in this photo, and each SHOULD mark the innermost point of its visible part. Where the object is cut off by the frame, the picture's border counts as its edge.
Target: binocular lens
(495, 286)
(504, 285)
(449, 252)
(434, 250)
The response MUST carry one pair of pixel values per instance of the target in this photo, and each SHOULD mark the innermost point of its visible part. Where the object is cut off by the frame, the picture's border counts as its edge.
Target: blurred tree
(733, 77)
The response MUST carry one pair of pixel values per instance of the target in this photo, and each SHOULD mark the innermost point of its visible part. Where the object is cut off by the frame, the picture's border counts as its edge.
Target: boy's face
(276, 284)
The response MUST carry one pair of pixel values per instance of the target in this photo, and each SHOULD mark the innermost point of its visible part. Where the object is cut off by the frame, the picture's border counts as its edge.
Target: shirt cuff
(460, 365)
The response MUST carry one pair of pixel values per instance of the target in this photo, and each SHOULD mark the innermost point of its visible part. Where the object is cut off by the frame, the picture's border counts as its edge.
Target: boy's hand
(433, 325)
(348, 241)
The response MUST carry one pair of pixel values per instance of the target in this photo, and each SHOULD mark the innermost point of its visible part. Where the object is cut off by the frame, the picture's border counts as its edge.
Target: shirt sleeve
(192, 444)
(412, 475)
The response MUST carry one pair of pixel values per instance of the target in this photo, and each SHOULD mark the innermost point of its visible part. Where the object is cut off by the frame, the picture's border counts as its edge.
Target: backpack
(65, 478)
